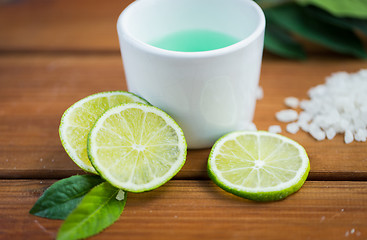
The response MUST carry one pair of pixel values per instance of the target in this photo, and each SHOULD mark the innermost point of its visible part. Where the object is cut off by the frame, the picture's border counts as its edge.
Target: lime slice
(77, 121)
(136, 147)
(260, 166)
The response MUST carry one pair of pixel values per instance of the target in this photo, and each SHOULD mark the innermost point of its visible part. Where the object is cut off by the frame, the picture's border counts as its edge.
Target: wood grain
(37, 89)
(199, 209)
(59, 25)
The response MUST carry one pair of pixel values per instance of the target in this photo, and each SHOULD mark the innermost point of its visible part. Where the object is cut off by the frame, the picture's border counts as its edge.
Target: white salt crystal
(292, 128)
(362, 73)
(337, 106)
(304, 126)
(330, 133)
(291, 102)
(352, 230)
(305, 104)
(317, 91)
(317, 133)
(304, 117)
(287, 115)
(361, 135)
(357, 123)
(259, 93)
(348, 137)
(321, 121)
(275, 129)
(344, 124)
(120, 195)
(250, 127)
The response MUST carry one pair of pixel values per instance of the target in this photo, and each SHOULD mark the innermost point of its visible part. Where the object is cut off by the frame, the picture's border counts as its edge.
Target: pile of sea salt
(337, 107)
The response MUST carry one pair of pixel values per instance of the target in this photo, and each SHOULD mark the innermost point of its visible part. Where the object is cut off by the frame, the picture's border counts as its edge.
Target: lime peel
(130, 161)
(258, 193)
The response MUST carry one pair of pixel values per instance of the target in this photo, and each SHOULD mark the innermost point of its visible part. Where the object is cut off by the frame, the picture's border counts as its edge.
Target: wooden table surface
(53, 53)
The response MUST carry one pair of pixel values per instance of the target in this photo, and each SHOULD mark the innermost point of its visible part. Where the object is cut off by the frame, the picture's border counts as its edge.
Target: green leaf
(340, 8)
(294, 18)
(270, 3)
(98, 210)
(348, 23)
(63, 196)
(278, 41)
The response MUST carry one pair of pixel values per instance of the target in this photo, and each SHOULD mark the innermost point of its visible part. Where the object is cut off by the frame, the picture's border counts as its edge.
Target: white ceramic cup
(208, 93)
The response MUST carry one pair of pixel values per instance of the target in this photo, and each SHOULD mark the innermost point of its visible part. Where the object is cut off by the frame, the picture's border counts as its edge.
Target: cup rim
(122, 29)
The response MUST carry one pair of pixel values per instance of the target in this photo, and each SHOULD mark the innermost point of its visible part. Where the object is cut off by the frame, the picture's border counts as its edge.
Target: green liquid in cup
(195, 41)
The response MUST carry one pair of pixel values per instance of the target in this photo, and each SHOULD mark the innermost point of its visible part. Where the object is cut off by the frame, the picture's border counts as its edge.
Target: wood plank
(37, 89)
(35, 92)
(200, 210)
(59, 25)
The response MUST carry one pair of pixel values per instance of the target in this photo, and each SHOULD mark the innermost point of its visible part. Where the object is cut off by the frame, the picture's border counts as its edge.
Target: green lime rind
(116, 184)
(260, 196)
(63, 125)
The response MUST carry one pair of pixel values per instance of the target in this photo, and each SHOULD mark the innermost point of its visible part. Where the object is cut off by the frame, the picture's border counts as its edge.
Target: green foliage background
(335, 24)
